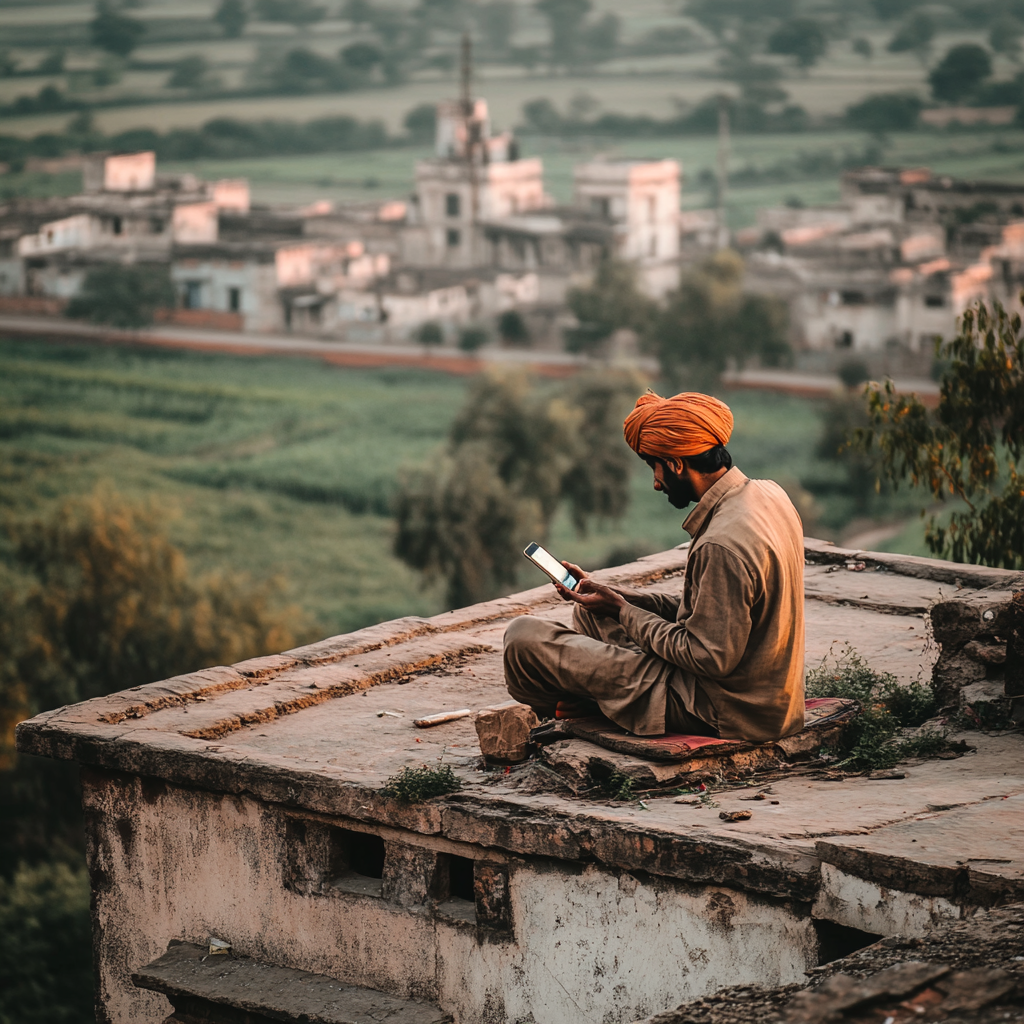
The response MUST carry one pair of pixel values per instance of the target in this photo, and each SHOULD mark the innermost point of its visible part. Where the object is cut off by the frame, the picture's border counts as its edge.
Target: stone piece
(971, 990)
(959, 620)
(989, 652)
(841, 992)
(504, 732)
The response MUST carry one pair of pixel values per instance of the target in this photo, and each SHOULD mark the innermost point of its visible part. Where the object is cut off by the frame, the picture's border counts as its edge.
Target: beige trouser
(546, 662)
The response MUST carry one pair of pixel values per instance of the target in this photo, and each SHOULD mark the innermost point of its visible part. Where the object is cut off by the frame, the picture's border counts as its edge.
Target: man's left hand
(595, 597)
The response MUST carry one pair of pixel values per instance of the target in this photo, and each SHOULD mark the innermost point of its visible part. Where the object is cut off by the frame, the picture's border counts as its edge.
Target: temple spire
(467, 75)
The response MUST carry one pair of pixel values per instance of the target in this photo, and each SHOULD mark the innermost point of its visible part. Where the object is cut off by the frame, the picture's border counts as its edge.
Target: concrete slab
(195, 982)
(965, 851)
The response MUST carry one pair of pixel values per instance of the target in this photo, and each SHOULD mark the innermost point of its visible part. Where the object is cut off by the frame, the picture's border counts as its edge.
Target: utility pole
(723, 172)
(471, 128)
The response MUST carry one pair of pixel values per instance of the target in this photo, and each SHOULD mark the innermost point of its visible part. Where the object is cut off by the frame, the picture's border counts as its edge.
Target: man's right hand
(576, 570)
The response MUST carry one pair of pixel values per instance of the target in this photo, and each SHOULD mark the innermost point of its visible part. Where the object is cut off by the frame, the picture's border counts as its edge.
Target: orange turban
(678, 427)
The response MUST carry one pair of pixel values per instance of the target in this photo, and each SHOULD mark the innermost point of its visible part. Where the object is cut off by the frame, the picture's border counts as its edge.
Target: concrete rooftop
(301, 729)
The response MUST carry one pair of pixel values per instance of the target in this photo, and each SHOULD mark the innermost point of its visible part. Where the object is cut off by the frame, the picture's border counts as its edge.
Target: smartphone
(546, 562)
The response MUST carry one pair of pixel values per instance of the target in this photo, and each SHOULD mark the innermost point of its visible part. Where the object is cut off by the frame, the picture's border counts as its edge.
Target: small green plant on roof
(618, 786)
(412, 785)
(874, 739)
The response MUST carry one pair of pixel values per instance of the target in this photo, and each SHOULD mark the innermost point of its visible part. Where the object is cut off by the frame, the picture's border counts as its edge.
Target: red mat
(819, 713)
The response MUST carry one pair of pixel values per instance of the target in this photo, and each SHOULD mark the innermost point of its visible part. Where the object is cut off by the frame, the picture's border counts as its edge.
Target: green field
(631, 81)
(285, 467)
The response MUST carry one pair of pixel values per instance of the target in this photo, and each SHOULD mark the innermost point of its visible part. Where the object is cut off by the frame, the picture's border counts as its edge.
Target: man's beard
(678, 490)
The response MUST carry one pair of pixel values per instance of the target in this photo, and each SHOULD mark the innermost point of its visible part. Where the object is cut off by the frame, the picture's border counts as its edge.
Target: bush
(430, 334)
(854, 372)
(873, 739)
(802, 38)
(123, 296)
(115, 32)
(512, 328)
(472, 338)
(110, 602)
(421, 122)
(45, 946)
(412, 785)
(960, 72)
(885, 112)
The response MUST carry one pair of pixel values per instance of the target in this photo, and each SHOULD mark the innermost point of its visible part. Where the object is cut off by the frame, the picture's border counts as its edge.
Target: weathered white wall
(858, 903)
(590, 943)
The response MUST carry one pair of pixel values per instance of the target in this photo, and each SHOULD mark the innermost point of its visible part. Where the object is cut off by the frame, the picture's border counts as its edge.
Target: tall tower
(474, 177)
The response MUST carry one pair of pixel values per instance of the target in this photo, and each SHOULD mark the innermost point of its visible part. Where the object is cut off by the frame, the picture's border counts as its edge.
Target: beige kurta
(739, 626)
(729, 651)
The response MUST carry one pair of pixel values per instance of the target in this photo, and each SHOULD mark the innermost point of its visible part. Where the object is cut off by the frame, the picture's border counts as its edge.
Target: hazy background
(265, 486)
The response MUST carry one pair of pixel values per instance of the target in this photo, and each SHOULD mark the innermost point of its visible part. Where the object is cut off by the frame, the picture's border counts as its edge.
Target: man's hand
(595, 597)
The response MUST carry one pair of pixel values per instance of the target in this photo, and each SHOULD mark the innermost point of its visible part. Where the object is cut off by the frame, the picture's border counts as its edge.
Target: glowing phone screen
(547, 561)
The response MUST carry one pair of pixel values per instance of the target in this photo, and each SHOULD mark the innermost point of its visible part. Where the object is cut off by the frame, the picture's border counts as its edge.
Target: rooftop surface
(305, 729)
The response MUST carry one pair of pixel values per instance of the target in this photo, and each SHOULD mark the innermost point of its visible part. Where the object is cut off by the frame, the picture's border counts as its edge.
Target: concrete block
(504, 732)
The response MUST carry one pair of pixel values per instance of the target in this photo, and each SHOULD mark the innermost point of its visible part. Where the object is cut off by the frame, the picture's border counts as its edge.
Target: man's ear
(678, 466)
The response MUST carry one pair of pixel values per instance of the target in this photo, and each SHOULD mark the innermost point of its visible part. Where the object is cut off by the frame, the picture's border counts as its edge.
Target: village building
(894, 263)
(247, 862)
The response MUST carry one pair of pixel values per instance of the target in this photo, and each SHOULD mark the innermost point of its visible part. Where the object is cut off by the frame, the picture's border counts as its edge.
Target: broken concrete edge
(824, 552)
(187, 972)
(783, 869)
(963, 885)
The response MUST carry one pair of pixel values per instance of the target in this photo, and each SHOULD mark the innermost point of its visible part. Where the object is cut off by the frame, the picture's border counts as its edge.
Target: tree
(513, 456)
(601, 39)
(960, 72)
(421, 122)
(232, 16)
(362, 58)
(497, 22)
(290, 12)
(192, 72)
(513, 329)
(115, 32)
(542, 116)
(430, 334)
(611, 302)
(46, 945)
(862, 47)
(841, 417)
(110, 604)
(565, 20)
(472, 338)
(889, 9)
(915, 34)
(709, 321)
(971, 447)
(801, 38)
(885, 112)
(123, 296)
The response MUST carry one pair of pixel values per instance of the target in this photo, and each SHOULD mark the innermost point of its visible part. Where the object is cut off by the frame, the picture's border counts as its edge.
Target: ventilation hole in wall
(356, 861)
(460, 879)
(837, 940)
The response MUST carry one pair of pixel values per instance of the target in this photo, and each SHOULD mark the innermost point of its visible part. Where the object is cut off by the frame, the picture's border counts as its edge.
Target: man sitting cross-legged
(726, 657)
